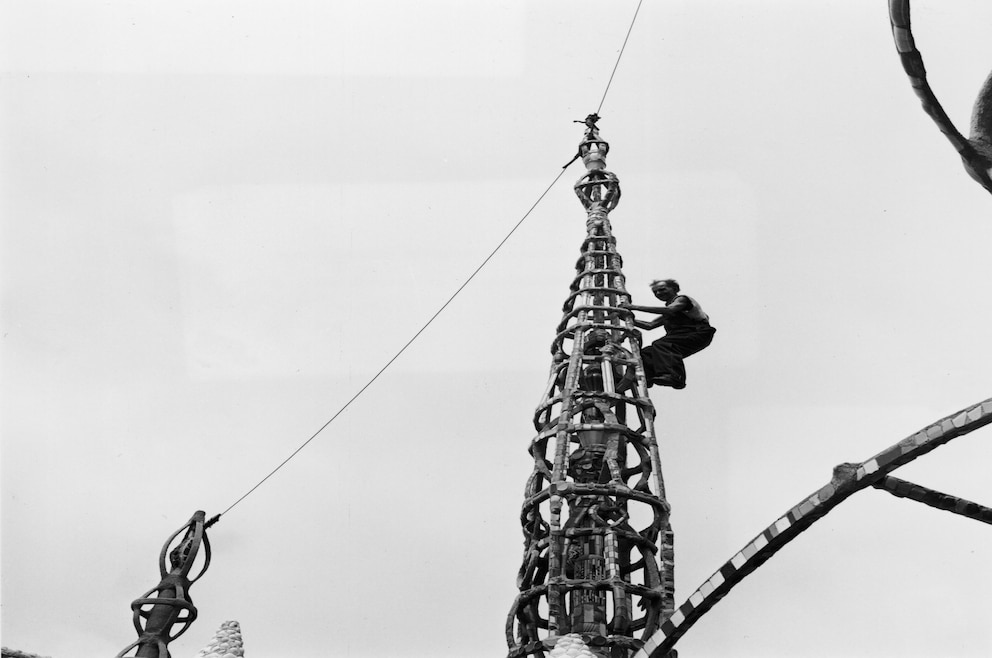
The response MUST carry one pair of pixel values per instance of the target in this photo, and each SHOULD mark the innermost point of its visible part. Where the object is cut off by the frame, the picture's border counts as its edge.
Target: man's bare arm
(653, 324)
(646, 309)
(678, 304)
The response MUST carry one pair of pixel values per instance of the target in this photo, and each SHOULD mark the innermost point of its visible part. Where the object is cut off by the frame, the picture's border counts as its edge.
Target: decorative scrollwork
(166, 611)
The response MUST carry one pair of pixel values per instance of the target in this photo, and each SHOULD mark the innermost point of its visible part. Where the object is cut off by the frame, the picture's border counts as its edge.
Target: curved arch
(847, 479)
(976, 151)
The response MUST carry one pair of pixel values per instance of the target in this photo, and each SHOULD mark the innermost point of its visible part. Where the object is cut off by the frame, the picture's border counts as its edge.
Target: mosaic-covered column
(597, 543)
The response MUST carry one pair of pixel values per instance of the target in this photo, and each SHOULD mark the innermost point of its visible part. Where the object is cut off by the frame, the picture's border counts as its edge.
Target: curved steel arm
(936, 499)
(847, 480)
(976, 152)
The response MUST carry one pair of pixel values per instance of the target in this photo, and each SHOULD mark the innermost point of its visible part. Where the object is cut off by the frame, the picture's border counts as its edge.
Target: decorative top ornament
(599, 189)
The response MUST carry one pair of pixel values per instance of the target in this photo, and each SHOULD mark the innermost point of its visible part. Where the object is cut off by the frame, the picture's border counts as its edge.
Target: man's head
(665, 289)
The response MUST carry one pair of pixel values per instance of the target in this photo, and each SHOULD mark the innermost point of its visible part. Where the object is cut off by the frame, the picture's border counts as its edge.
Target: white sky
(221, 219)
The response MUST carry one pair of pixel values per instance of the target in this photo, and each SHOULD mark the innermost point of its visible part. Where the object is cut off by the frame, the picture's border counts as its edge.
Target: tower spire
(597, 563)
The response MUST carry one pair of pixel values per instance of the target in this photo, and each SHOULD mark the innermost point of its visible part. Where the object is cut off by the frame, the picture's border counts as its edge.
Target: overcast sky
(221, 219)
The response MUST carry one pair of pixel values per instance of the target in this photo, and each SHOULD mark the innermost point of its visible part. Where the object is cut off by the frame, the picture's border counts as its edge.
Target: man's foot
(627, 381)
(667, 380)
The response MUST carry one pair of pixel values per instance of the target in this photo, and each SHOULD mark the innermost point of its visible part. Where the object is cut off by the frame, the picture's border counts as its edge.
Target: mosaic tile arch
(847, 480)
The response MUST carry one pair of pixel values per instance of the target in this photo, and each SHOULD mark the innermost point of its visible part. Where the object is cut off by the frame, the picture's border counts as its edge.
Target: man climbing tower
(687, 331)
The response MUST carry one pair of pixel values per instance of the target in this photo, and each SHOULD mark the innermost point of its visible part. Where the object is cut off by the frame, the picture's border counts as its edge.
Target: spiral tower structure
(598, 560)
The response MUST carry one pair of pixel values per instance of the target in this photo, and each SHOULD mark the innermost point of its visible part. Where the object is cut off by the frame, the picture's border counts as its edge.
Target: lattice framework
(597, 540)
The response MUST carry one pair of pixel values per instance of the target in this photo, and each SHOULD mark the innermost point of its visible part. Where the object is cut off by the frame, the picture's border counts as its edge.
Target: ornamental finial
(599, 189)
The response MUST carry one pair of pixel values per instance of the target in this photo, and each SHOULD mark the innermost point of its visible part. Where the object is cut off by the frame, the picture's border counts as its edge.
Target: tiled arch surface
(848, 479)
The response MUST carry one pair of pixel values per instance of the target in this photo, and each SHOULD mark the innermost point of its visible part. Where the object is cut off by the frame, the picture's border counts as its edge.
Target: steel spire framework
(597, 541)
